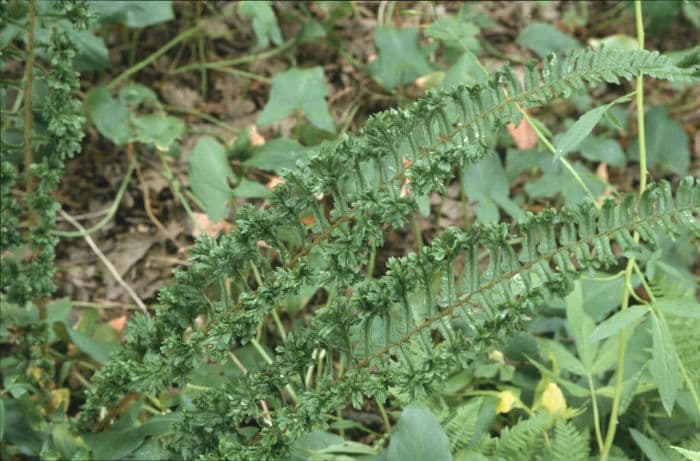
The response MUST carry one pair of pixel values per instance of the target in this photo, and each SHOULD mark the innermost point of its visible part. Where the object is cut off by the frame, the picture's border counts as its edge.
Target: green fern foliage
(432, 312)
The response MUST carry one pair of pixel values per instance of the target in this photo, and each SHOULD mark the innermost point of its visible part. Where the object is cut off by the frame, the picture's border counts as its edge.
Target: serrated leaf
(208, 173)
(544, 39)
(666, 141)
(581, 128)
(298, 90)
(418, 436)
(465, 70)
(679, 307)
(664, 363)
(617, 322)
(111, 117)
(264, 21)
(133, 14)
(400, 59)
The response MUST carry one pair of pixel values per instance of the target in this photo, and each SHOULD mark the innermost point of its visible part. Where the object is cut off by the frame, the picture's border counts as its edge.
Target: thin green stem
(617, 395)
(112, 209)
(541, 136)
(182, 36)
(217, 65)
(596, 417)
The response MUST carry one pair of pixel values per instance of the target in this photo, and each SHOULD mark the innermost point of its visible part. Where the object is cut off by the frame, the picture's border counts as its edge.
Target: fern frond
(523, 441)
(568, 444)
(463, 311)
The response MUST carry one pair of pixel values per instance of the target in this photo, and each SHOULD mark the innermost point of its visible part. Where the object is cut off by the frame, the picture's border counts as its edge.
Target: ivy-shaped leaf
(486, 183)
(264, 22)
(111, 117)
(544, 39)
(401, 59)
(300, 90)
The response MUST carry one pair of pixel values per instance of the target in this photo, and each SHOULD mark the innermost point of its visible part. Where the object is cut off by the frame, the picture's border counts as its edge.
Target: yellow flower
(553, 399)
(506, 401)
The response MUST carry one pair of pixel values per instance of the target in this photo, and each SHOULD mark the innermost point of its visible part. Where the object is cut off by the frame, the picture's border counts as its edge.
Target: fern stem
(627, 289)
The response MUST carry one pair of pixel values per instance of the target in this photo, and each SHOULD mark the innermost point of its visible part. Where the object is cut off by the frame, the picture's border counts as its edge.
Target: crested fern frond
(463, 308)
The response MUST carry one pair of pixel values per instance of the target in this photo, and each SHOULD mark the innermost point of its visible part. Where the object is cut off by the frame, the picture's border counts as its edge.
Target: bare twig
(103, 258)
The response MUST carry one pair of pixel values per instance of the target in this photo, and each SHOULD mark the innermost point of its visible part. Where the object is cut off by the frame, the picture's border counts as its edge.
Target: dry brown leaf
(602, 172)
(208, 227)
(307, 220)
(274, 181)
(256, 139)
(523, 135)
(118, 323)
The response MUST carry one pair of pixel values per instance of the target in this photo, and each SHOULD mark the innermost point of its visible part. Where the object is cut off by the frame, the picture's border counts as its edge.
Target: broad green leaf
(133, 14)
(133, 94)
(418, 436)
(208, 173)
(650, 448)
(250, 189)
(158, 130)
(276, 155)
(579, 325)
(91, 53)
(659, 14)
(300, 90)
(581, 128)
(557, 180)
(18, 431)
(606, 358)
(692, 13)
(264, 21)
(121, 440)
(465, 70)
(692, 455)
(400, 59)
(666, 140)
(2, 420)
(98, 350)
(455, 32)
(600, 149)
(486, 183)
(544, 39)
(111, 118)
(564, 359)
(617, 322)
(679, 307)
(664, 363)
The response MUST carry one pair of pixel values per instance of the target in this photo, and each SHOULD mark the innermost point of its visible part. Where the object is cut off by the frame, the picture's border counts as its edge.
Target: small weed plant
(445, 332)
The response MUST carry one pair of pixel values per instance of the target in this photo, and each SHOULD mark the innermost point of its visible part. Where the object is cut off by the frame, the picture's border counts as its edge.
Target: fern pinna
(429, 314)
